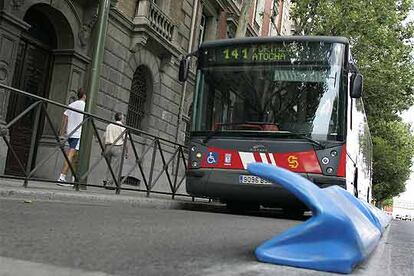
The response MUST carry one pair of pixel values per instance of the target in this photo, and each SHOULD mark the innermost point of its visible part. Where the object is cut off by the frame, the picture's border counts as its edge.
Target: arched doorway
(32, 74)
(139, 96)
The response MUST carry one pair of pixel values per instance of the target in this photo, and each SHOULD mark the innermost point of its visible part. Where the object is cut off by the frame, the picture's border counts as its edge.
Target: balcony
(160, 22)
(152, 25)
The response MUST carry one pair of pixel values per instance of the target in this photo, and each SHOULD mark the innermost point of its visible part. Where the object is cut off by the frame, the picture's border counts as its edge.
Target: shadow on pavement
(262, 212)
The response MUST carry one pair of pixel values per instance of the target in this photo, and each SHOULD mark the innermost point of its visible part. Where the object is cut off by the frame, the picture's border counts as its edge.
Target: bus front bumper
(224, 185)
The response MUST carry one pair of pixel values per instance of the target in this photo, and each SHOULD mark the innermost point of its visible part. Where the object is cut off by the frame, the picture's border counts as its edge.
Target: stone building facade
(46, 49)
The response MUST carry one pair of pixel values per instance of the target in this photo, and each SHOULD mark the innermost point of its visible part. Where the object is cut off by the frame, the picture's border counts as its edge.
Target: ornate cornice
(13, 20)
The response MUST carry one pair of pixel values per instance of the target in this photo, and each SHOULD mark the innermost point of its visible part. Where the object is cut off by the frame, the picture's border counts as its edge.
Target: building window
(259, 13)
(274, 30)
(275, 10)
(231, 30)
(201, 35)
(137, 98)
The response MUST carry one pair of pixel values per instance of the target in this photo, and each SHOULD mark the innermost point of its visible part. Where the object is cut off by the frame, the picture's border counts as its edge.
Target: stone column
(10, 30)
(142, 14)
(69, 73)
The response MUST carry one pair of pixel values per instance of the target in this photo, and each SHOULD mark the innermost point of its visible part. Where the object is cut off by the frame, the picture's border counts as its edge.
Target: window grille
(137, 98)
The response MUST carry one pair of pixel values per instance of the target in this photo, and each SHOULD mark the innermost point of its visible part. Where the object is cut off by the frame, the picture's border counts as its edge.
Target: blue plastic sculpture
(341, 233)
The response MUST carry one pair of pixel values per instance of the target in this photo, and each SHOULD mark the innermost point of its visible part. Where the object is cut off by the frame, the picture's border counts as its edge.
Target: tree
(379, 41)
(393, 152)
(382, 48)
(388, 202)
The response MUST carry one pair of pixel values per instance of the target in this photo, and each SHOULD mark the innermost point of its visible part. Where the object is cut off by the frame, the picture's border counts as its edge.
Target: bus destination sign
(254, 54)
(266, 53)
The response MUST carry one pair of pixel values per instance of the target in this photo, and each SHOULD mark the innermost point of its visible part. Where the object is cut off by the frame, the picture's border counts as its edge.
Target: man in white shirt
(115, 137)
(71, 120)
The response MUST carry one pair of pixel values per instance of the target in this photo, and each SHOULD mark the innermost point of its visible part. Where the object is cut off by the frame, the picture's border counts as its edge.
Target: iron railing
(171, 156)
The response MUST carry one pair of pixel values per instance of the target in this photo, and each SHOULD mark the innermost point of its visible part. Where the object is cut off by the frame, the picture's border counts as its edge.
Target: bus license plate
(252, 179)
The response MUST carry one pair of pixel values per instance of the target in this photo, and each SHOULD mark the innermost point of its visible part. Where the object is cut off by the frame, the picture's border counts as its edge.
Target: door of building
(31, 75)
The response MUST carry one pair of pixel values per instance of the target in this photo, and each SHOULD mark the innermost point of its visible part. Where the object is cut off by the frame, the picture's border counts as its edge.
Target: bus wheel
(242, 206)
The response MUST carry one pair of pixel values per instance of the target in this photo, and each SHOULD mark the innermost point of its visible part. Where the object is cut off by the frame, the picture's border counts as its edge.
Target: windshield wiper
(302, 136)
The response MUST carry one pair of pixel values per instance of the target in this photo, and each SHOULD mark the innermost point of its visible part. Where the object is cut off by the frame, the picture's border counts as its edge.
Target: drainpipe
(189, 50)
(93, 87)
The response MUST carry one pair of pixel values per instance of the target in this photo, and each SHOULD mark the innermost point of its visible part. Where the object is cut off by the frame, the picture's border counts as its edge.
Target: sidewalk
(50, 191)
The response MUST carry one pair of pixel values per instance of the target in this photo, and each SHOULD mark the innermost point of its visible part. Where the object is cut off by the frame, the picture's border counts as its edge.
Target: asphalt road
(119, 239)
(62, 238)
(400, 252)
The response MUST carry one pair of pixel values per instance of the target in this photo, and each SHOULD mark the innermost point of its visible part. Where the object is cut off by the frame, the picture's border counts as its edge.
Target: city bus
(292, 102)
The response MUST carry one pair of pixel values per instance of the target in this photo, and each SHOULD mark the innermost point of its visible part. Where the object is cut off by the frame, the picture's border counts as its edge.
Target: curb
(99, 198)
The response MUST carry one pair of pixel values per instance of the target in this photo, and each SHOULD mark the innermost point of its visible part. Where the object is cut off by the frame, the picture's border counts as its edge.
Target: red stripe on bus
(342, 162)
(302, 162)
(268, 158)
(257, 157)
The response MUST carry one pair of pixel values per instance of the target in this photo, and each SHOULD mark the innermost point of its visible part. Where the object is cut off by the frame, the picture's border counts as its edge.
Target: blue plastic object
(341, 233)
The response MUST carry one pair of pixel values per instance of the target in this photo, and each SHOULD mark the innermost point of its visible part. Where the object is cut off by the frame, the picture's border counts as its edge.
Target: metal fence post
(154, 153)
(32, 144)
(121, 162)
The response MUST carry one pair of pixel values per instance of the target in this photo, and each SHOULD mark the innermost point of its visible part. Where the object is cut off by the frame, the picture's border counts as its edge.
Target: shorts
(73, 143)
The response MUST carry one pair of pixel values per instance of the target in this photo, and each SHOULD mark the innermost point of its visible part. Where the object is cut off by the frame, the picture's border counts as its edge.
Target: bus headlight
(334, 153)
(329, 170)
(198, 155)
(194, 164)
(193, 148)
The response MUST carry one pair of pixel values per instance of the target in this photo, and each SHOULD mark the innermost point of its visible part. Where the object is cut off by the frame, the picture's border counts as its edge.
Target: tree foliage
(393, 151)
(381, 46)
(388, 202)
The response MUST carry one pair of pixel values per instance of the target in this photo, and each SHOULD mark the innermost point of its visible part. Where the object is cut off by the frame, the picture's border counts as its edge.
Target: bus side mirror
(357, 84)
(184, 68)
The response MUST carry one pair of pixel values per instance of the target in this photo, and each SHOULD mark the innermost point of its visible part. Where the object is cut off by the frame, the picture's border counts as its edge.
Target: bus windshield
(283, 87)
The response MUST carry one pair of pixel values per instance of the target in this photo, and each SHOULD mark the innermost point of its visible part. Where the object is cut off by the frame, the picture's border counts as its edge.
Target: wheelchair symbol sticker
(212, 157)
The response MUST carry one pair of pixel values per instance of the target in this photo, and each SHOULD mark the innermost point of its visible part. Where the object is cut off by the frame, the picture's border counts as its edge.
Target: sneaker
(61, 182)
(64, 184)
